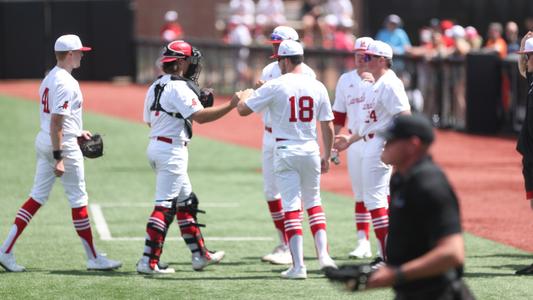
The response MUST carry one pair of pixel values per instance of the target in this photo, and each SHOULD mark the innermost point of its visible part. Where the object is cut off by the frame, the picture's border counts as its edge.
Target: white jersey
(176, 97)
(272, 71)
(295, 103)
(383, 101)
(349, 96)
(60, 94)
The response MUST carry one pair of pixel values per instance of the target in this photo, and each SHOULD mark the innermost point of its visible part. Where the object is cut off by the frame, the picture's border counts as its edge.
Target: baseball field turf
(228, 182)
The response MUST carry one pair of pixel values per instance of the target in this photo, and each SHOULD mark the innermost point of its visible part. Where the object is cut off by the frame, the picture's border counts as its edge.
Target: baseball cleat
(281, 255)
(326, 262)
(102, 263)
(525, 271)
(362, 250)
(8, 262)
(200, 262)
(143, 267)
(295, 273)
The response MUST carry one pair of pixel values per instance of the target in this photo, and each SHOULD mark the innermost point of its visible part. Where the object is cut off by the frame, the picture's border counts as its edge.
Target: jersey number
(372, 117)
(44, 101)
(305, 109)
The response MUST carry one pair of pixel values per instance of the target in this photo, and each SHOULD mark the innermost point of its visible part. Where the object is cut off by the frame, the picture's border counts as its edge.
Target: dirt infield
(485, 171)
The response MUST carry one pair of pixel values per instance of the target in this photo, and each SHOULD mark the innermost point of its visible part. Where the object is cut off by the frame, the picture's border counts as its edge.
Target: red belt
(167, 140)
(368, 137)
(269, 129)
(280, 139)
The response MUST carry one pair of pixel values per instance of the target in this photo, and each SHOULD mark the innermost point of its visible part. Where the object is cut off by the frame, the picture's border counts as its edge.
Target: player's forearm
(327, 137)
(212, 113)
(337, 128)
(448, 254)
(56, 131)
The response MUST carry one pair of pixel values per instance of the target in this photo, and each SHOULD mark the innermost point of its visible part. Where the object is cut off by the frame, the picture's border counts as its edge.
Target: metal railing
(440, 82)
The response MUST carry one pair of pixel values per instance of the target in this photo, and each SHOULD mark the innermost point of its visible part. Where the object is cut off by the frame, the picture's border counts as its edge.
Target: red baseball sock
(362, 219)
(380, 220)
(276, 211)
(80, 218)
(23, 218)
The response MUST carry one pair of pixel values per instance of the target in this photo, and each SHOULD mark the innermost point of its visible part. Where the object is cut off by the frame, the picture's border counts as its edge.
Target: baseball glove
(207, 97)
(92, 148)
(355, 277)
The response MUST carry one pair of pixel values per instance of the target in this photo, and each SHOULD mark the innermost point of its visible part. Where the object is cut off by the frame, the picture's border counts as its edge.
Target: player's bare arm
(449, 253)
(522, 63)
(213, 113)
(56, 136)
(327, 139)
(242, 107)
(343, 141)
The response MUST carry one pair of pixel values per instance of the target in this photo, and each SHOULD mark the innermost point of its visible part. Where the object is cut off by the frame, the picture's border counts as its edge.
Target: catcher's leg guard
(190, 230)
(156, 230)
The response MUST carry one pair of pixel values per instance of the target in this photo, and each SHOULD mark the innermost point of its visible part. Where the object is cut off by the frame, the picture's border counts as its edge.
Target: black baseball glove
(355, 277)
(207, 97)
(92, 148)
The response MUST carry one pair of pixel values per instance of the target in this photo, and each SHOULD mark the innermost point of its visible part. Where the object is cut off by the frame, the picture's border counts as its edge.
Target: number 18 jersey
(295, 103)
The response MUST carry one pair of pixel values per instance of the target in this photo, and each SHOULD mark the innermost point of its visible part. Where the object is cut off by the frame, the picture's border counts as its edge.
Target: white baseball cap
(528, 47)
(69, 42)
(379, 48)
(361, 44)
(290, 48)
(282, 33)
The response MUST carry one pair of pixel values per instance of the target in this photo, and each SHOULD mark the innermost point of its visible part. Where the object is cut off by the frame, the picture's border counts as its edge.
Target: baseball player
(58, 155)
(348, 103)
(385, 99)
(296, 102)
(171, 103)
(281, 253)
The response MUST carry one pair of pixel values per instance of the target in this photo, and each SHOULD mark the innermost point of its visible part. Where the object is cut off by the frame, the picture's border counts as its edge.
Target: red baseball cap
(176, 49)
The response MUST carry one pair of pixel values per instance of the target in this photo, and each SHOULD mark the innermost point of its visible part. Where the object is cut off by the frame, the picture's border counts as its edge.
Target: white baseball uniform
(60, 94)
(272, 71)
(349, 96)
(167, 150)
(295, 103)
(383, 100)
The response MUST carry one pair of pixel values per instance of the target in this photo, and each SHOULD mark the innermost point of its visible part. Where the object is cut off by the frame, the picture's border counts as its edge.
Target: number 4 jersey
(295, 103)
(60, 94)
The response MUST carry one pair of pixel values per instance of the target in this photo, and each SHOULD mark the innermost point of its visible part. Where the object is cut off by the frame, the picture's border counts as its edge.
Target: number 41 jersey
(60, 94)
(295, 102)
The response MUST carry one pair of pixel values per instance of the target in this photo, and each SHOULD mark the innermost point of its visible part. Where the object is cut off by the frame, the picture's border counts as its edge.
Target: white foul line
(105, 235)
(101, 224)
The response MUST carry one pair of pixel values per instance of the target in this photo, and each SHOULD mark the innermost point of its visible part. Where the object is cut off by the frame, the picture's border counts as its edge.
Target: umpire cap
(406, 126)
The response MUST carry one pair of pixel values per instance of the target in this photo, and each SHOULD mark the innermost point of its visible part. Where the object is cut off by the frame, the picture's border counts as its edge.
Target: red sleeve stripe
(339, 118)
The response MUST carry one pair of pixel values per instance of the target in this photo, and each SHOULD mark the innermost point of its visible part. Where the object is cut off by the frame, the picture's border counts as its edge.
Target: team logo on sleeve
(194, 102)
(65, 105)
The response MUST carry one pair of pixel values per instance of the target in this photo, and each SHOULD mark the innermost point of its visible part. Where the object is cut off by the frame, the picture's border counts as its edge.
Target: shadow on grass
(504, 255)
(92, 273)
(488, 275)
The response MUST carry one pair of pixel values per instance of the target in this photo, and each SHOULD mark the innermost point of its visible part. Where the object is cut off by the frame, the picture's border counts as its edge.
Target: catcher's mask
(195, 65)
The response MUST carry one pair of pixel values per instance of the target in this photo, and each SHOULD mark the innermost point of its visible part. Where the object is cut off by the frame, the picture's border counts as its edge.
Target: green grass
(220, 173)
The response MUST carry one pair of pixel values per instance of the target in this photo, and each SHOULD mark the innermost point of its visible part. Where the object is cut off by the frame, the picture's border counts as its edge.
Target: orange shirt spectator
(495, 41)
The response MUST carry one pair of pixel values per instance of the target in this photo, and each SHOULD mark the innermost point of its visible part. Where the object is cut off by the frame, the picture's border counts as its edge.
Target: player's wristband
(399, 276)
(58, 154)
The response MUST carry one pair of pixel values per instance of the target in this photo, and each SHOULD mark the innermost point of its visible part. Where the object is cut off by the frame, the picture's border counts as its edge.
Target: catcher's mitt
(354, 276)
(92, 148)
(207, 97)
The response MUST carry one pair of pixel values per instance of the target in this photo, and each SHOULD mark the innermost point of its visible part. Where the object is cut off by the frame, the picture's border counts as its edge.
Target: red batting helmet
(175, 50)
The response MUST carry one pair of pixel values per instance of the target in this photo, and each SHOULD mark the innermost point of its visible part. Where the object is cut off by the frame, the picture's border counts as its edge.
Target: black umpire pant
(455, 290)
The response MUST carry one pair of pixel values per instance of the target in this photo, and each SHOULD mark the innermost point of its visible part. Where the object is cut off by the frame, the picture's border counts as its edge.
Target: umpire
(425, 244)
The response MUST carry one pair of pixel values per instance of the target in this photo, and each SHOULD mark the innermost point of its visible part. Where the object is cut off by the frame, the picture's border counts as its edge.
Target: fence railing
(437, 87)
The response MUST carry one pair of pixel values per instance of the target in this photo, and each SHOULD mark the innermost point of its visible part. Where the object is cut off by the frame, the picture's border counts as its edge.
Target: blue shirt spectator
(394, 35)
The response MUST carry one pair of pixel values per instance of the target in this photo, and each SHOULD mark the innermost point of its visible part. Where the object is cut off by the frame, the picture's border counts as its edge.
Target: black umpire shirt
(422, 211)
(525, 140)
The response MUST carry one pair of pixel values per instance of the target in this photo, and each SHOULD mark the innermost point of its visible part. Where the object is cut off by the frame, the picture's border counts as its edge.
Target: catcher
(172, 103)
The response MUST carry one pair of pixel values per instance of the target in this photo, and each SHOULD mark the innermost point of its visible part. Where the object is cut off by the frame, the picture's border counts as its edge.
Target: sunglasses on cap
(276, 37)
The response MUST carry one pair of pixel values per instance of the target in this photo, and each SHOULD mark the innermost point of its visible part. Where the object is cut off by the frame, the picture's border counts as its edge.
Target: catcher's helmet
(175, 50)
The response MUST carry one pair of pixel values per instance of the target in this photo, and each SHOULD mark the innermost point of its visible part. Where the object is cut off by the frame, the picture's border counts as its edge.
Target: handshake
(354, 277)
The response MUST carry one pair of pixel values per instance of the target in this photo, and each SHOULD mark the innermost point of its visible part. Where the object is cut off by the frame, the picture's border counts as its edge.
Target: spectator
(171, 30)
(444, 26)
(270, 14)
(473, 38)
(239, 34)
(394, 35)
(511, 36)
(310, 12)
(245, 9)
(338, 12)
(495, 42)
